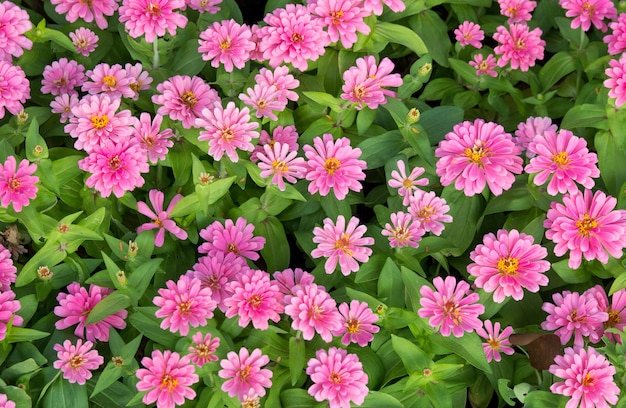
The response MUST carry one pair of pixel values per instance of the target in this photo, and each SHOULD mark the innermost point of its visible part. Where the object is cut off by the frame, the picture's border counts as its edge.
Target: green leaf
(412, 356)
(399, 34)
(364, 119)
(111, 304)
(13, 373)
(144, 320)
(377, 399)
(570, 275)
(326, 100)
(18, 395)
(412, 284)
(466, 213)
(58, 38)
(276, 252)
(468, 347)
(109, 375)
(50, 255)
(36, 147)
(378, 149)
(296, 398)
(63, 394)
(561, 64)
(544, 399)
(390, 286)
(187, 205)
(437, 122)
(187, 60)
(464, 70)
(585, 115)
(140, 278)
(434, 31)
(297, 358)
(515, 199)
(609, 154)
(211, 193)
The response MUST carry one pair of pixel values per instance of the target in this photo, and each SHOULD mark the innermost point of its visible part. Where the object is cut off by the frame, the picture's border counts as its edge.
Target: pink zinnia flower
(469, 33)
(363, 83)
(588, 379)
(280, 163)
(14, 22)
(617, 39)
(184, 303)
(215, 272)
(616, 310)
(313, 310)
(17, 183)
(139, 79)
(484, 66)
(342, 19)
(338, 378)
(75, 306)
(357, 326)
(8, 307)
(519, 45)
(203, 349)
(6, 403)
(245, 374)
(586, 225)
(376, 6)
(534, 126)
(264, 100)
(509, 263)
(148, 133)
(14, 88)
(152, 18)
(8, 271)
(88, 11)
(227, 43)
(429, 212)
(518, 11)
(63, 105)
(342, 244)
(168, 378)
(406, 185)
(617, 80)
(497, 341)
(160, 218)
(236, 238)
(183, 98)
(403, 231)
(204, 6)
(77, 361)
(451, 307)
(282, 81)
(85, 41)
(478, 153)
(290, 280)
(112, 80)
(573, 314)
(334, 164)
(564, 159)
(586, 12)
(284, 135)
(62, 76)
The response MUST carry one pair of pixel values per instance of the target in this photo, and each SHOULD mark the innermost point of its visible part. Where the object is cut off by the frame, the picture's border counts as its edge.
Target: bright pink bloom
(334, 164)
(112, 80)
(403, 231)
(87, 10)
(341, 244)
(8, 271)
(478, 153)
(14, 22)
(469, 33)
(429, 212)
(75, 306)
(338, 378)
(62, 76)
(282, 81)
(183, 98)
(313, 310)
(227, 43)
(484, 66)
(148, 133)
(168, 378)
(586, 12)
(6, 403)
(342, 19)
(406, 185)
(363, 83)
(284, 135)
(617, 39)
(290, 280)
(617, 80)
(14, 88)
(208, 6)
(245, 374)
(518, 11)
(236, 238)
(280, 163)
(616, 310)
(215, 272)
(17, 183)
(452, 307)
(376, 6)
(588, 379)
(519, 45)
(139, 79)
(496, 341)
(85, 41)
(77, 361)
(586, 225)
(264, 100)
(184, 303)
(526, 132)
(203, 349)
(152, 18)
(160, 219)
(63, 105)
(357, 326)
(8, 307)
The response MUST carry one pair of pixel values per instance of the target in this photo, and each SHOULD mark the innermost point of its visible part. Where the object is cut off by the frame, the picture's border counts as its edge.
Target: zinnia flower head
(587, 12)
(63, 105)
(14, 88)
(236, 238)
(280, 163)
(155, 142)
(290, 280)
(160, 218)
(376, 6)
(17, 183)
(228, 43)
(403, 231)
(8, 271)
(364, 83)
(616, 309)
(110, 79)
(617, 80)
(62, 76)
(406, 185)
(519, 45)
(85, 41)
(484, 66)
(469, 33)
(87, 10)
(152, 18)
(204, 6)
(429, 212)
(617, 38)
(245, 374)
(139, 79)
(342, 19)
(264, 100)
(8, 307)
(203, 349)
(286, 135)
(77, 361)
(313, 310)
(14, 22)
(534, 126)
(216, 271)
(497, 341)
(518, 11)
(282, 81)
(358, 323)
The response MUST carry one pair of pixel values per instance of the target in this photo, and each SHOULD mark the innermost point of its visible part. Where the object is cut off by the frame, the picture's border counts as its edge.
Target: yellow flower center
(109, 80)
(228, 134)
(493, 343)
(588, 380)
(614, 319)
(343, 244)
(426, 212)
(483, 66)
(224, 45)
(335, 378)
(232, 248)
(586, 225)
(331, 165)
(100, 122)
(184, 308)
(189, 99)
(476, 154)
(561, 159)
(336, 17)
(169, 382)
(154, 9)
(297, 37)
(508, 266)
(279, 166)
(359, 92)
(255, 300)
(77, 361)
(244, 373)
(14, 184)
(451, 311)
(519, 44)
(353, 326)
(115, 163)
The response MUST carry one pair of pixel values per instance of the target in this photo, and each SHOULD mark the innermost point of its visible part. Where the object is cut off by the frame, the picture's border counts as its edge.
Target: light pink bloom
(63, 105)
(406, 185)
(148, 133)
(256, 54)
(313, 310)
(342, 19)
(617, 38)
(587, 12)
(588, 379)
(285, 135)
(152, 18)
(586, 225)
(6, 403)
(77, 361)
(160, 219)
(14, 88)
(75, 306)
(519, 45)
(484, 66)
(429, 212)
(227, 43)
(617, 80)
(113, 80)
(338, 378)
(280, 163)
(452, 307)
(376, 6)
(342, 244)
(334, 164)
(8, 271)
(140, 79)
(534, 126)
(244, 374)
(357, 326)
(215, 272)
(363, 83)
(17, 183)
(518, 11)
(85, 41)
(183, 98)
(168, 378)
(497, 341)
(469, 33)
(87, 10)
(403, 231)
(282, 81)
(236, 238)
(183, 304)
(14, 22)
(203, 349)
(62, 76)
(290, 280)
(8, 307)
(204, 6)
(264, 100)
(477, 154)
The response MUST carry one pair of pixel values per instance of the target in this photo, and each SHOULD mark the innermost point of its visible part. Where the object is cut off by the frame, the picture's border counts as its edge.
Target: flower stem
(155, 51)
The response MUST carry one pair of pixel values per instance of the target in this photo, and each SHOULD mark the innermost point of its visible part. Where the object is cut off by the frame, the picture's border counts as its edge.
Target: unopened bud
(121, 277)
(118, 361)
(413, 116)
(37, 150)
(425, 69)
(22, 117)
(44, 273)
(381, 309)
(133, 249)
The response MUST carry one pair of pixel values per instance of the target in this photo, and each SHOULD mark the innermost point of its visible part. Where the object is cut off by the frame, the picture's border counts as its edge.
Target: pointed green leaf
(111, 304)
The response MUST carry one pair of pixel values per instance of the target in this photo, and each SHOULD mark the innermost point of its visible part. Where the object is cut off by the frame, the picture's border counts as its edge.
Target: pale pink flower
(148, 133)
(14, 22)
(290, 280)
(587, 225)
(75, 306)
(183, 98)
(452, 307)
(429, 212)
(160, 218)
(112, 80)
(518, 11)
(94, 10)
(204, 6)
(8, 307)
(519, 45)
(282, 81)
(285, 135)
(406, 185)
(280, 163)
(77, 361)
(617, 38)
(236, 238)
(63, 105)
(152, 18)
(469, 33)
(617, 80)
(17, 183)
(313, 310)
(509, 263)
(228, 43)
(183, 304)
(403, 231)
(534, 126)
(334, 164)
(476, 154)
(342, 244)
(244, 373)
(376, 6)
(140, 79)
(337, 377)
(14, 88)
(342, 19)
(168, 378)
(587, 12)
(62, 76)
(357, 323)
(203, 349)
(264, 100)
(497, 341)
(85, 41)
(589, 379)
(215, 272)
(364, 83)
(8, 271)
(484, 66)
(6, 403)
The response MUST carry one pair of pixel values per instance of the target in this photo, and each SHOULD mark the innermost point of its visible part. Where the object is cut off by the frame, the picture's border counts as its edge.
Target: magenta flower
(526, 132)
(363, 83)
(313, 310)
(357, 326)
(484, 66)
(236, 238)
(341, 244)
(497, 341)
(588, 379)
(110, 79)
(215, 272)
(184, 303)
(617, 80)
(227, 43)
(587, 12)
(14, 88)
(14, 22)
(168, 378)
(564, 159)
(85, 41)
(94, 10)
(8, 271)
(478, 153)
(63, 105)
(406, 185)
(77, 361)
(152, 18)
(519, 45)
(62, 76)
(160, 218)
(509, 263)
(616, 310)
(282, 81)
(451, 307)
(244, 374)
(342, 19)
(203, 349)
(17, 183)
(6, 403)
(290, 280)
(284, 135)
(429, 212)
(264, 100)
(338, 378)
(155, 142)
(518, 11)
(469, 33)
(280, 163)
(376, 6)
(204, 6)
(334, 164)
(403, 231)
(617, 39)
(8, 307)
(139, 79)
(586, 225)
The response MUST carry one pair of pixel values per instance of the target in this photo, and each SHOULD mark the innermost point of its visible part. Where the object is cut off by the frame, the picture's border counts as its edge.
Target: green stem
(155, 51)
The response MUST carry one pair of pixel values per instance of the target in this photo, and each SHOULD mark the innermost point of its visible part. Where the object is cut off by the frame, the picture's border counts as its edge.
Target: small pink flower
(313, 310)
(403, 230)
(376, 6)
(357, 323)
(264, 100)
(62, 76)
(152, 18)
(617, 80)
(168, 378)
(282, 81)
(526, 132)
(342, 19)
(160, 219)
(587, 12)
(112, 80)
(497, 341)
(451, 307)
(429, 212)
(204, 6)
(77, 361)
(8, 271)
(6, 403)
(363, 83)
(284, 135)
(617, 39)
(88, 11)
(236, 238)
(14, 88)
(155, 142)
(469, 33)
(337, 377)
(280, 163)
(63, 105)
(245, 374)
(518, 11)
(616, 310)
(588, 379)
(14, 22)
(139, 79)
(290, 280)
(484, 66)
(215, 272)
(519, 45)
(17, 183)
(8, 307)
(406, 185)
(203, 349)
(227, 43)
(85, 41)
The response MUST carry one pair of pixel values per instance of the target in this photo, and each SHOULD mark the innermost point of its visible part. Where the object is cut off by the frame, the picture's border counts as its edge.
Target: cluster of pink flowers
(364, 83)
(271, 93)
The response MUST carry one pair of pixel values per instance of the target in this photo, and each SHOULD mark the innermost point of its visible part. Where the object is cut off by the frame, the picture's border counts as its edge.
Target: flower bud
(413, 116)
(44, 273)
